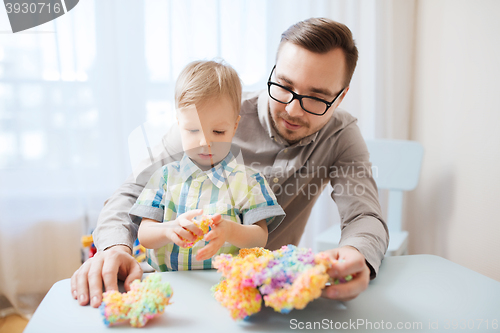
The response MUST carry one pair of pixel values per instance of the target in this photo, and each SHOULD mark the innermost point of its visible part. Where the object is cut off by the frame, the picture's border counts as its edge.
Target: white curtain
(73, 90)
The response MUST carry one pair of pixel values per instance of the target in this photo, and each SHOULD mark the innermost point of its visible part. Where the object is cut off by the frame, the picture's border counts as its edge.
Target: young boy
(207, 180)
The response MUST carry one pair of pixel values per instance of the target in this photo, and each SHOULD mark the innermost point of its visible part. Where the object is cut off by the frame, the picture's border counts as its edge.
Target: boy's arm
(153, 234)
(239, 235)
(245, 236)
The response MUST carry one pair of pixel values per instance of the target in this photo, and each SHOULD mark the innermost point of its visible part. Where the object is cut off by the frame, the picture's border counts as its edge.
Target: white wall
(455, 210)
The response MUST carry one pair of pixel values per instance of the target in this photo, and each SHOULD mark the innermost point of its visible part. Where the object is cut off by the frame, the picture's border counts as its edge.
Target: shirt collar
(188, 168)
(266, 122)
(217, 174)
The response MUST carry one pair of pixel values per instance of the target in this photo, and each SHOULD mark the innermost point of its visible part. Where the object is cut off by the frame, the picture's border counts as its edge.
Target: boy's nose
(204, 141)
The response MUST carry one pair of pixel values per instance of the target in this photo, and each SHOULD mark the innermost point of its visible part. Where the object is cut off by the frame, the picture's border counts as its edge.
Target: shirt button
(275, 180)
(195, 184)
(286, 150)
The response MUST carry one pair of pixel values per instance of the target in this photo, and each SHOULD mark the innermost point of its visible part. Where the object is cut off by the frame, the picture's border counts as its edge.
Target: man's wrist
(119, 247)
(352, 247)
(370, 267)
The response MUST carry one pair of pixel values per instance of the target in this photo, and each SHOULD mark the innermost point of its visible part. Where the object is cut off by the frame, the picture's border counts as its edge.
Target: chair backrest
(396, 167)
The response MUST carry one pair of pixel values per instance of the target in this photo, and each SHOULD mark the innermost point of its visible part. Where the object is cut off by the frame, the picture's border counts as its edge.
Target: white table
(426, 293)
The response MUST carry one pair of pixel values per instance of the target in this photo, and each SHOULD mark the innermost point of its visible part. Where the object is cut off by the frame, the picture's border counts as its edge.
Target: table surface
(420, 293)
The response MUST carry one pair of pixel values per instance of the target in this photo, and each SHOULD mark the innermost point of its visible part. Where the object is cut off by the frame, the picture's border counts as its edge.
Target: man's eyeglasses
(310, 104)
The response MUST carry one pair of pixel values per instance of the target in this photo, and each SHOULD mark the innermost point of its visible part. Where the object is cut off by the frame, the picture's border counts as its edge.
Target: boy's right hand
(183, 230)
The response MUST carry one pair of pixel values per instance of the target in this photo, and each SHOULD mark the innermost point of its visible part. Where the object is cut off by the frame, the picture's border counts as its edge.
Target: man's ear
(341, 98)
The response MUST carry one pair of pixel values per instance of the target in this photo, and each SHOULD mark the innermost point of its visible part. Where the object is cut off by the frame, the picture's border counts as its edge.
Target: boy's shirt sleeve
(260, 203)
(151, 202)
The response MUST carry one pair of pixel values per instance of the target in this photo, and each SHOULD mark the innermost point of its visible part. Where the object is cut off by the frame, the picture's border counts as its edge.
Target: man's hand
(354, 264)
(108, 266)
(217, 237)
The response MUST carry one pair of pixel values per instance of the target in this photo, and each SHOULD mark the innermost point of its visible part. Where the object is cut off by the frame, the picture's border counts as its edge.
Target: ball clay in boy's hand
(204, 225)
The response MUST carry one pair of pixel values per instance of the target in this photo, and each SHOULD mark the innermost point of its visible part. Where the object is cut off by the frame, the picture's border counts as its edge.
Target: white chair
(396, 167)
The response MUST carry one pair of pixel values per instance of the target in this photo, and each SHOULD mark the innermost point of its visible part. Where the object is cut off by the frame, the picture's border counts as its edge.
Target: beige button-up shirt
(296, 173)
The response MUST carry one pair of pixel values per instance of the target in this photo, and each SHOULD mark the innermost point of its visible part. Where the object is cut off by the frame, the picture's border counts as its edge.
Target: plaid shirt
(235, 191)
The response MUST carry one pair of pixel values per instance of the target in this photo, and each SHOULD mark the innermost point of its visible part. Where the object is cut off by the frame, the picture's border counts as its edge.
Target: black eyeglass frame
(299, 97)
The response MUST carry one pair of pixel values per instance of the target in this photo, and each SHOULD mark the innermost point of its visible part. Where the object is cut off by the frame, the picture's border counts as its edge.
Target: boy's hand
(217, 237)
(183, 230)
(353, 264)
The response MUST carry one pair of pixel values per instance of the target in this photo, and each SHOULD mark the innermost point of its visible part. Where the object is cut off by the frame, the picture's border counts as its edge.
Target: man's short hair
(201, 81)
(321, 35)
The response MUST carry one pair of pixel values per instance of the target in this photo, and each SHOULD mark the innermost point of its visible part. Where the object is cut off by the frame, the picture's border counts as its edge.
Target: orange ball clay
(205, 224)
(257, 251)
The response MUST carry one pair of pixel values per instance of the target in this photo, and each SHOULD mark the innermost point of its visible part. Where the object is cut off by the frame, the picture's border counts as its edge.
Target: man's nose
(294, 109)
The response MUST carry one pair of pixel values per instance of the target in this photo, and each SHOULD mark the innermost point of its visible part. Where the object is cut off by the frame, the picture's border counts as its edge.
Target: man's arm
(356, 196)
(114, 226)
(116, 232)
(365, 236)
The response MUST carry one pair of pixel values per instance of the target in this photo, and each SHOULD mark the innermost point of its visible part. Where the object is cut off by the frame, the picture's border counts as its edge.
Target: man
(293, 134)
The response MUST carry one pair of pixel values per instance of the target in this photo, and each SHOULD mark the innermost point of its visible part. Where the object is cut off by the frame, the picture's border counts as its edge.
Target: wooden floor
(13, 324)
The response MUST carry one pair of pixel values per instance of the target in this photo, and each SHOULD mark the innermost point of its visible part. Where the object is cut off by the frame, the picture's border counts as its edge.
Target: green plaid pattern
(230, 188)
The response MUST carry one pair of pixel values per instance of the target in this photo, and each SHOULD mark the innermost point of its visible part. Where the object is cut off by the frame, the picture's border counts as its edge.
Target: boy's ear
(237, 122)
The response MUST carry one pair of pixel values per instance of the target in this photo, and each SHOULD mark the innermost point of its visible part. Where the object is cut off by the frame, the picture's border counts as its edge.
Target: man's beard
(284, 115)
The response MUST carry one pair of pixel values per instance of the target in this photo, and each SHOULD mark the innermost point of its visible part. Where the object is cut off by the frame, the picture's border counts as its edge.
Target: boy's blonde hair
(201, 81)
